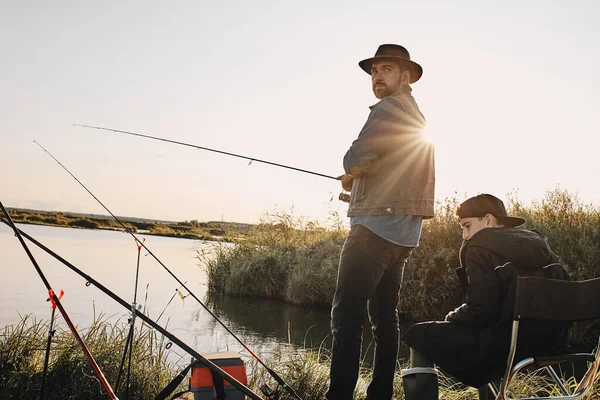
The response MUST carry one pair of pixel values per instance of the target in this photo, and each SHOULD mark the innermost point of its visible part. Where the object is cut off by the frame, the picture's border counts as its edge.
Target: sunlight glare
(429, 135)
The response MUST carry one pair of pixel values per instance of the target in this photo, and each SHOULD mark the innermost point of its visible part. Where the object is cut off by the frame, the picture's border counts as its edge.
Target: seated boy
(472, 343)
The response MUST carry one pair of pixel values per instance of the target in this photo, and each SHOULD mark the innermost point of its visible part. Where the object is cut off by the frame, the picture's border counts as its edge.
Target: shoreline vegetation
(293, 259)
(219, 231)
(69, 375)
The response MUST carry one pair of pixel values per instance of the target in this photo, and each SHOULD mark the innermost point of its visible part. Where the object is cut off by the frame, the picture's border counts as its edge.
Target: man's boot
(420, 383)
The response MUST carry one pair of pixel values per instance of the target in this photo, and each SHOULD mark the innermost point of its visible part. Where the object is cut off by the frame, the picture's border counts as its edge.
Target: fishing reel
(269, 393)
(345, 197)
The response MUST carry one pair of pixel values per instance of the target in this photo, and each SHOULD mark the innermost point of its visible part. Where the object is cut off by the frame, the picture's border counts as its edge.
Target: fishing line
(208, 149)
(56, 301)
(177, 291)
(219, 371)
(271, 372)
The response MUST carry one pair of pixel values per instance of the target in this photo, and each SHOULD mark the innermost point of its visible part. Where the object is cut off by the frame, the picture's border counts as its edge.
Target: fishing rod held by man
(252, 159)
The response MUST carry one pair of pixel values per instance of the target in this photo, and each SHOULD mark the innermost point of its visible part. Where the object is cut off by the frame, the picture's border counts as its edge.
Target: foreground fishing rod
(51, 332)
(129, 342)
(213, 367)
(207, 149)
(271, 372)
(56, 301)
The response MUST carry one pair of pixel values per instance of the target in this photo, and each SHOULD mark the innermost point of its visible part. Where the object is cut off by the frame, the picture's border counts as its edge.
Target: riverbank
(69, 376)
(295, 260)
(211, 231)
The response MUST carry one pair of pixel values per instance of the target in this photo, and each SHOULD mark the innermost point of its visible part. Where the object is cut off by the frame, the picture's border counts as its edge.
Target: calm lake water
(110, 258)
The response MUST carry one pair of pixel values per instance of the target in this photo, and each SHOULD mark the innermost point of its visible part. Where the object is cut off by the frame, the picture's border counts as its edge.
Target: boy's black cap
(483, 204)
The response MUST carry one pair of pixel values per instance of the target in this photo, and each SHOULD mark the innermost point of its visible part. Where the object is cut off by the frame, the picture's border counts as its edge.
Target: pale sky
(510, 90)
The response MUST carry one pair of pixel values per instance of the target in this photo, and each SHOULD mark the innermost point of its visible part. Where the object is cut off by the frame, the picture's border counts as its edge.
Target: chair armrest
(543, 361)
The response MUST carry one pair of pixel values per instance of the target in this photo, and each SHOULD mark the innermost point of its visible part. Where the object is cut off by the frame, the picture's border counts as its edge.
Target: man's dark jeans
(370, 272)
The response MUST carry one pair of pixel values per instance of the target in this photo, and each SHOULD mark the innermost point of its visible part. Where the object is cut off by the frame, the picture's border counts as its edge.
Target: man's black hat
(480, 206)
(394, 52)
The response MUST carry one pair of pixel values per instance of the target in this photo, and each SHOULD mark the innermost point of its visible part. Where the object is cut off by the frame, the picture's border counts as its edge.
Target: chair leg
(557, 380)
(420, 383)
(488, 392)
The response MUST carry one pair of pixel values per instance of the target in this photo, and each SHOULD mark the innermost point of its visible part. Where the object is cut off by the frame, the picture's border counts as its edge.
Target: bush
(84, 223)
(572, 228)
(284, 258)
(288, 258)
(430, 287)
(35, 218)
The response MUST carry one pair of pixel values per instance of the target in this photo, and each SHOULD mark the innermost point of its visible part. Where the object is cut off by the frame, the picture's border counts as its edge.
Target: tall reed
(284, 257)
(70, 376)
(295, 260)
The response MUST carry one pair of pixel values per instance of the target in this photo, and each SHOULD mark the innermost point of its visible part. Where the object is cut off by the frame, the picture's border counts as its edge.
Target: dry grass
(295, 260)
(70, 376)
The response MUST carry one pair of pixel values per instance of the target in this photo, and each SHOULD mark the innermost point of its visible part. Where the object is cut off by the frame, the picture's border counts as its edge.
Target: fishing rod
(212, 366)
(271, 372)
(129, 341)
(51, 332)
(56, 301)
(208, 149)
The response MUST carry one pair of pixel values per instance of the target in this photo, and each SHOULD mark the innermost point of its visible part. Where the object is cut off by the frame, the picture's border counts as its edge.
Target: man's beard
(382, 90)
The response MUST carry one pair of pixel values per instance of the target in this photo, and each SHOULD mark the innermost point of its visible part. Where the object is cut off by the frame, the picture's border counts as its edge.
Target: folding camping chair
(553, 300)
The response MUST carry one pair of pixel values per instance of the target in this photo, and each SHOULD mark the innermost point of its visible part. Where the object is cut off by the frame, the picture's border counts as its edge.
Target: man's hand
(347, 180)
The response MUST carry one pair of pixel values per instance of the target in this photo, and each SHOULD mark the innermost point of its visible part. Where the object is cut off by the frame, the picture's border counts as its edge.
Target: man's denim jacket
(395, 163)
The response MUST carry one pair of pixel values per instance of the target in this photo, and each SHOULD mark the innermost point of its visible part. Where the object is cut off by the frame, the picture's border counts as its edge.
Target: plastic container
(201, 382)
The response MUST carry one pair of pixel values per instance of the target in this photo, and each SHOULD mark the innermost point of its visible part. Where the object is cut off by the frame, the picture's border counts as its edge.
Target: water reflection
(110, 258)
(272, 319)
(278, 322)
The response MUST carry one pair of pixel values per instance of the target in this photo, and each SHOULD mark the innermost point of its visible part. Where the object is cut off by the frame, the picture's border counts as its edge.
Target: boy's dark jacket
(491, 261)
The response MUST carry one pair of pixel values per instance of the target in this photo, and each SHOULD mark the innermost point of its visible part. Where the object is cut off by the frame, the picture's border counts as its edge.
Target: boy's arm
(483, 290)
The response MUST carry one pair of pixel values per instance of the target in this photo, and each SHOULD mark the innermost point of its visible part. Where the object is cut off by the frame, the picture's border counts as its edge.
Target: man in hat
(472, 343)
(390, 173)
